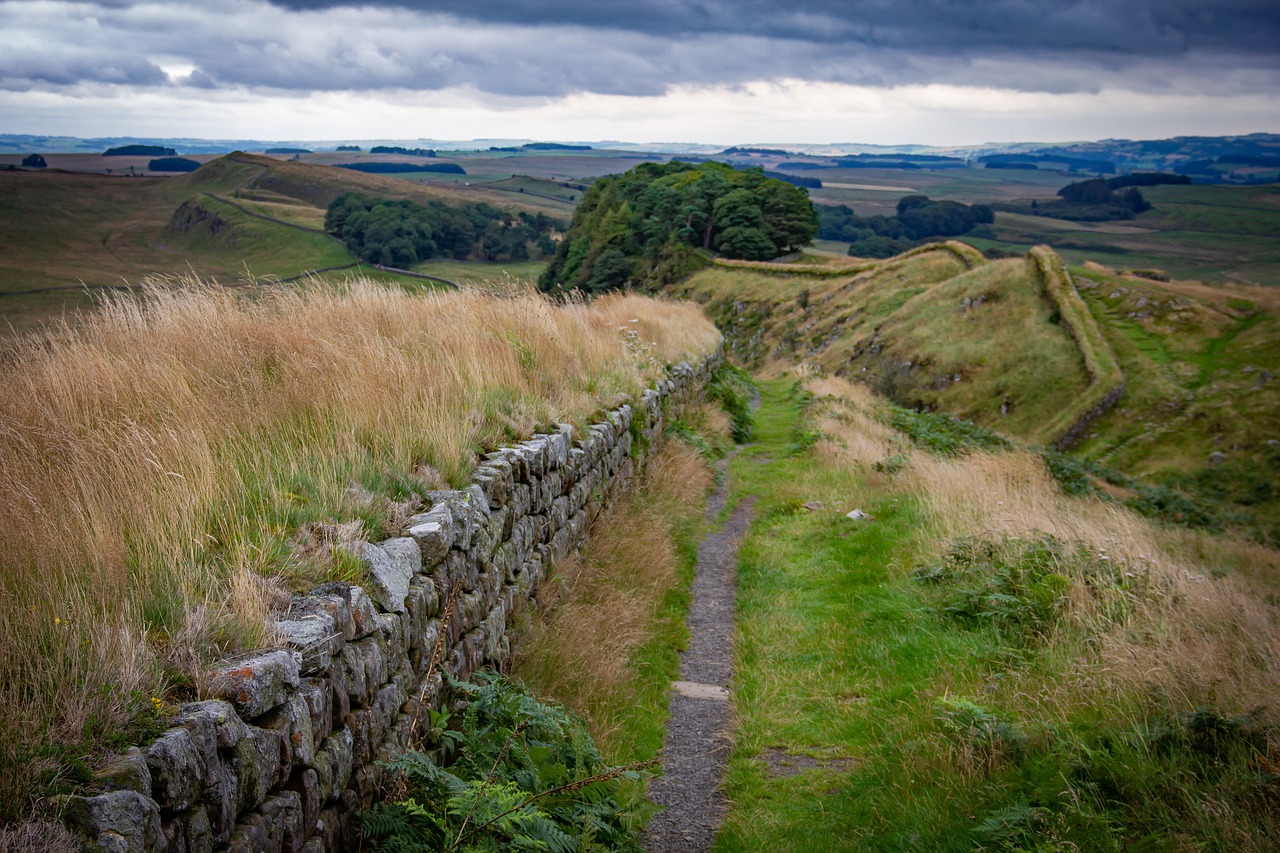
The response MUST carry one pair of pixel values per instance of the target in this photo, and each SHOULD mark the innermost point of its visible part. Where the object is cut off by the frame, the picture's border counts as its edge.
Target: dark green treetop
(658, 221)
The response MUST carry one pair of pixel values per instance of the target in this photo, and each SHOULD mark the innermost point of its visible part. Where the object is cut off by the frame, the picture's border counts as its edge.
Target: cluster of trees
(898, 161)
(140, 151)
(553, 146)
(777, 152)
(351, 148)
(172, 164)
(287, 151)
(400, 168)
(650, 223)
(402, 233)
(918, 219)
(35, 161)
(1098, 199)
(1052, 156)
(403, 152)
(1223, 168)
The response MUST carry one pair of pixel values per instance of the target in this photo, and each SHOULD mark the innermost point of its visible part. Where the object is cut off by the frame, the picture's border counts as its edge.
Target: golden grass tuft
(160, 456)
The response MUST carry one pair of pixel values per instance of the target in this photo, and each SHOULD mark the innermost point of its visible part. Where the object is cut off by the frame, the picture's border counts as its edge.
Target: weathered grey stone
(190, 832)
(374, 659)
(434, 532)
(535, 455)
(306, 783)
(388, 578)
(128, 772)
(351, 674)
(333, 764)
(222, 799)
(495, 479)
(257, 684)
(283, 812)
(363, 614)
(257, 764)
(317, 694)
(177, 770)
(254, 835)
(315, 636)
(115, 822)
(337, 604)
(292, 721)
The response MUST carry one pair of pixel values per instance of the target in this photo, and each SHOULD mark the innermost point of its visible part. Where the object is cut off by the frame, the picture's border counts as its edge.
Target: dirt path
(700, 723)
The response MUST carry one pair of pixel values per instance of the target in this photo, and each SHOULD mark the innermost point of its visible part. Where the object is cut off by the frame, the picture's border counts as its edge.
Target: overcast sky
(936, 72)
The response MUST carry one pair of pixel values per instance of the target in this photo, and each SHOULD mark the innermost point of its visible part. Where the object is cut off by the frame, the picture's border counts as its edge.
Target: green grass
(878, 688)
(1213, 233)
(64, 231)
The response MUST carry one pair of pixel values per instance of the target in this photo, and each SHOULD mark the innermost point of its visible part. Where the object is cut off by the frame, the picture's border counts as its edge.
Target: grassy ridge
(998, 345)
(175, 466)
(937, 327)
(1106, 381)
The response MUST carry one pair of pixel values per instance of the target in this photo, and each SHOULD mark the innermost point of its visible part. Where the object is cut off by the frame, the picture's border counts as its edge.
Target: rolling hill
(68, 235)
(1164, 380)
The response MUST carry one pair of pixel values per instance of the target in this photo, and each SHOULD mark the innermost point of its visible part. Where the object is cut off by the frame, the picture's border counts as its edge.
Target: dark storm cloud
(1144, 27)
(521, 48)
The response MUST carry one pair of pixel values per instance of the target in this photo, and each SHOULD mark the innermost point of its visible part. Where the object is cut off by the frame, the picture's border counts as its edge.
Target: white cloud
(761, 111)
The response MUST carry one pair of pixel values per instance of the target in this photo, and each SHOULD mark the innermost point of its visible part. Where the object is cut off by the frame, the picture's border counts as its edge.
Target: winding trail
(700, 723)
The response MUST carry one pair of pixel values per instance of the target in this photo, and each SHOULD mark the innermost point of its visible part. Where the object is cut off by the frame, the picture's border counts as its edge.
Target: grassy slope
(871, 325)
(1214, 233)
(173, 464)
(1192, 357)
(872, 714)
(1195, 361)
(63, 230)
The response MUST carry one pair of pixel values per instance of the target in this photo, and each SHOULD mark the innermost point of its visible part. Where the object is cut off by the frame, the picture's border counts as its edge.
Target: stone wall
(287, 753)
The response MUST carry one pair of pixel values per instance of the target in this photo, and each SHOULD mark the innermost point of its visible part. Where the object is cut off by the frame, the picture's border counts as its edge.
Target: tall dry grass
(160, 456)
(601, 608)
(1203, 629)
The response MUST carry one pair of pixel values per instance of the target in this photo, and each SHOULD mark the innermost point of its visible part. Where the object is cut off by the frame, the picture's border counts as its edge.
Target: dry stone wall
(287, 753)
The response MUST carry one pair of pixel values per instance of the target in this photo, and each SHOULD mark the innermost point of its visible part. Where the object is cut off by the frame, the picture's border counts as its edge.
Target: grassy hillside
(69, 236)
(1212, 233)
(1199, 409)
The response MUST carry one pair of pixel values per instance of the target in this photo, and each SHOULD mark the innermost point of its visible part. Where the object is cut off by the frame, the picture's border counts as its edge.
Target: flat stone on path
(694, 690)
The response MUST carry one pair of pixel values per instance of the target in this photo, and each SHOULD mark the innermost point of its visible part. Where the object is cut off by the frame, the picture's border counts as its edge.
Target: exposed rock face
(287, 753)
(191, 215)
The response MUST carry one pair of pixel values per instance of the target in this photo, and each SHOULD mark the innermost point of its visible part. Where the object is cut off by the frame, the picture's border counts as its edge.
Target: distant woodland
(918, 219)
(402, 233)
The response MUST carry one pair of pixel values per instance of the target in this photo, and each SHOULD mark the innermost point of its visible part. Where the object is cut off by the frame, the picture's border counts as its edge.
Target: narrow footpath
(700, 723)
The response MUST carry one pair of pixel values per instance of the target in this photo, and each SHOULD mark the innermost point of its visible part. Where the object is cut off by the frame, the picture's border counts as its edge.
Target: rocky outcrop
(286, 751)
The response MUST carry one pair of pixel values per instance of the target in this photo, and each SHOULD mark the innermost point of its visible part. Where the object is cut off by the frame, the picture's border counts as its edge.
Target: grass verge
(986, 662)
(633, 588)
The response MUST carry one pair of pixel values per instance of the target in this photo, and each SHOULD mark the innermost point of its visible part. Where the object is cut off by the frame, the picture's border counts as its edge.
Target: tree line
(918, 219)
(401, 233)
(1099, 199)
(649, 223)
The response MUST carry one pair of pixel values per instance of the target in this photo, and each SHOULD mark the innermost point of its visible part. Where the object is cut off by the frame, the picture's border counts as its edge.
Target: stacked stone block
(289, 749)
